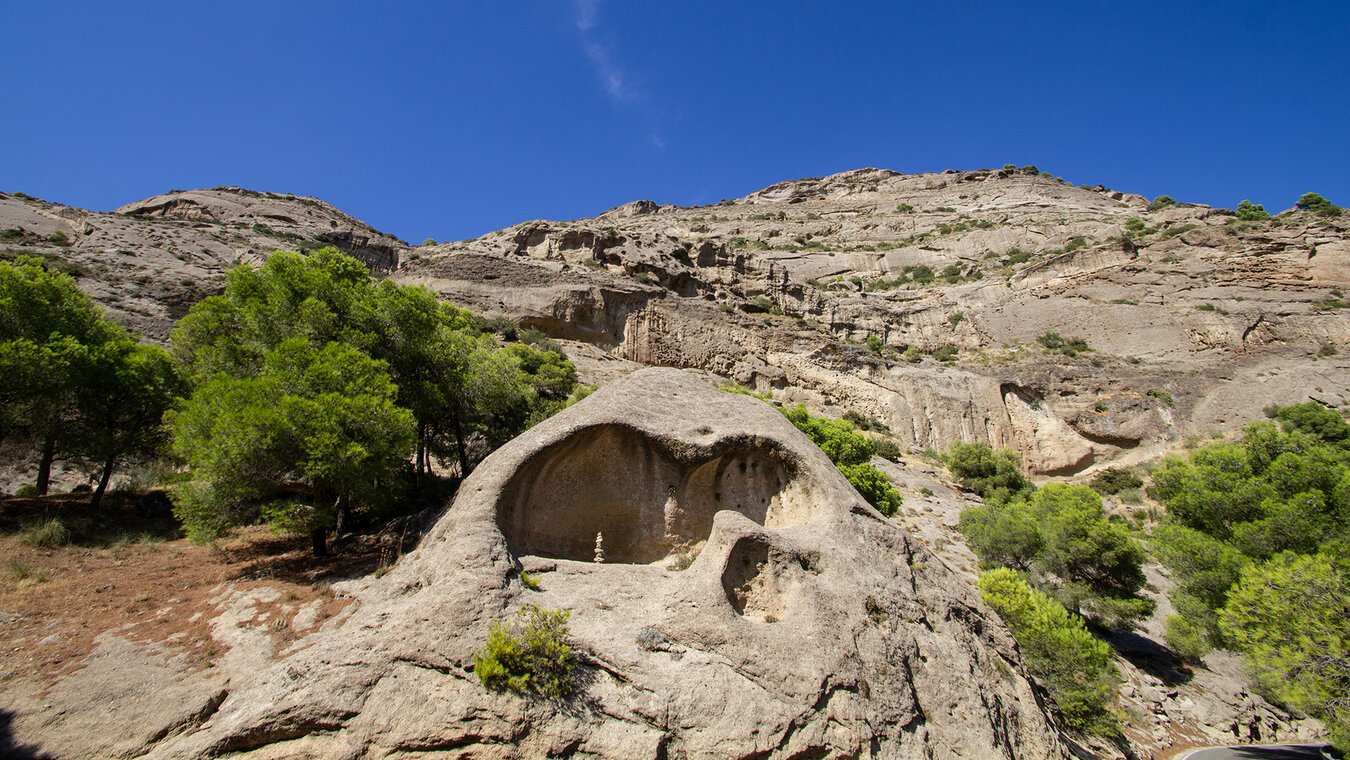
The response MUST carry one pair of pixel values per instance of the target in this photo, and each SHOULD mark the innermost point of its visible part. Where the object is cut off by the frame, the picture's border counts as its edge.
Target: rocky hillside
(919, 300)
(922, 301)
(149, 262)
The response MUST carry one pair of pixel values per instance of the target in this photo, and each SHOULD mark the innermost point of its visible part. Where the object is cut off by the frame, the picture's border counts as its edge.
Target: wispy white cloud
(586, 14)
(611, 74)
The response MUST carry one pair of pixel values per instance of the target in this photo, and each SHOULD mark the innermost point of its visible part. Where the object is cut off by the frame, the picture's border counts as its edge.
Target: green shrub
(904, 208)
(1134, 224)
(1312, 202)
(837, 438)
(995, 475)
(1077, 669)
(1161, 202)
(887, 449)
(850, 453)
(946, 353)
(872, 484)
(529, 655)
(1312, 418)
(1251, 212)
(1162, 396)
(1113, 480)
(27, 491)
(912, 354)
(866, 423)
(1188, 640)
(1070, 347)
(875, 344)
(44, 534)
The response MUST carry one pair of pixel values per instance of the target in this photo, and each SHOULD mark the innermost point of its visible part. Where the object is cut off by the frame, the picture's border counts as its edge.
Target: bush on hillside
(1251, 212)
(851, 453)
(529, 655)
(1077, 670)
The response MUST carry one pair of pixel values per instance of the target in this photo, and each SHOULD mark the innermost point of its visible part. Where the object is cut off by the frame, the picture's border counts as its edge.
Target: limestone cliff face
(780, 289)
(806, 625)
(1196, 321)
(148, 262)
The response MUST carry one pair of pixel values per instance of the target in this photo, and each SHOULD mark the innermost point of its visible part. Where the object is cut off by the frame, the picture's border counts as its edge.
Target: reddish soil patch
(127, 569)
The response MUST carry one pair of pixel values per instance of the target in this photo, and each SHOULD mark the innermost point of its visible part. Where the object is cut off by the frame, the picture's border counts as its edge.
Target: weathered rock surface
(1196, 322)
(148, 262)
(806, 626)
(778, 290)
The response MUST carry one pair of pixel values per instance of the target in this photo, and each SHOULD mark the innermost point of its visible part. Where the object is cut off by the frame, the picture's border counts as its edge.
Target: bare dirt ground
(128, 570)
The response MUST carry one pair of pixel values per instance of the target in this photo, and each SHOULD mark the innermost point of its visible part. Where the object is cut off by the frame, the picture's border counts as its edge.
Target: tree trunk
(319, 541)
(463, 451)
(343, 517)
(421, 449)
(44, 476)
(97, 498)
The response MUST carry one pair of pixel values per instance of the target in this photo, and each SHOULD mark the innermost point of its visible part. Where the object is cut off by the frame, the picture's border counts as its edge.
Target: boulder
(749, 604)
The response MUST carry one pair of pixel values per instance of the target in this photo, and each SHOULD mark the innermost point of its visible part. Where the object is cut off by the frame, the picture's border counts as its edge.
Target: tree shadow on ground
(1149, 656)
(13, 750)
(123, 515)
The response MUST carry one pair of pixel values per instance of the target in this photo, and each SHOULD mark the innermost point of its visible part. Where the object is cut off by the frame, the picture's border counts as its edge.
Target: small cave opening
(762, 581)
(643, 502)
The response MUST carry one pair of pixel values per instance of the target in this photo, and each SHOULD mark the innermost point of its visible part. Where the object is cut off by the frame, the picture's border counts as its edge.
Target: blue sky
(448, 120)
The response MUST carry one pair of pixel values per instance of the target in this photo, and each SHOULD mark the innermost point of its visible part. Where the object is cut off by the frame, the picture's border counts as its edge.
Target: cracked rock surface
(806, 625)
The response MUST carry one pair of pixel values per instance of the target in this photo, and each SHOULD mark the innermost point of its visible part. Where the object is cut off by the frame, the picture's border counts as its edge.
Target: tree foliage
(1251, 212)
(1289, 616)
(73, 384)
(1076, 669)
(120, 406)
(1113, 480)
(314, 428)
(995, 475)
(1061, 538)
(852, 454)
(293, 328)
(1314, 419)
(1312, 201)
(1256, 538)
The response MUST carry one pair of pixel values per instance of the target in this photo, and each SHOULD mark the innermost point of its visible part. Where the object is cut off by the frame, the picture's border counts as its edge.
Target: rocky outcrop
(806, 624)
(1195, 321)
(149, 261)
(779, 290)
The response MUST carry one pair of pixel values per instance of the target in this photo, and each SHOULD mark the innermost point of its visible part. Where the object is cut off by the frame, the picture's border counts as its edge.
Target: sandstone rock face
(806, 624)
(148, 262)
(778, 290)
(781, 288)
